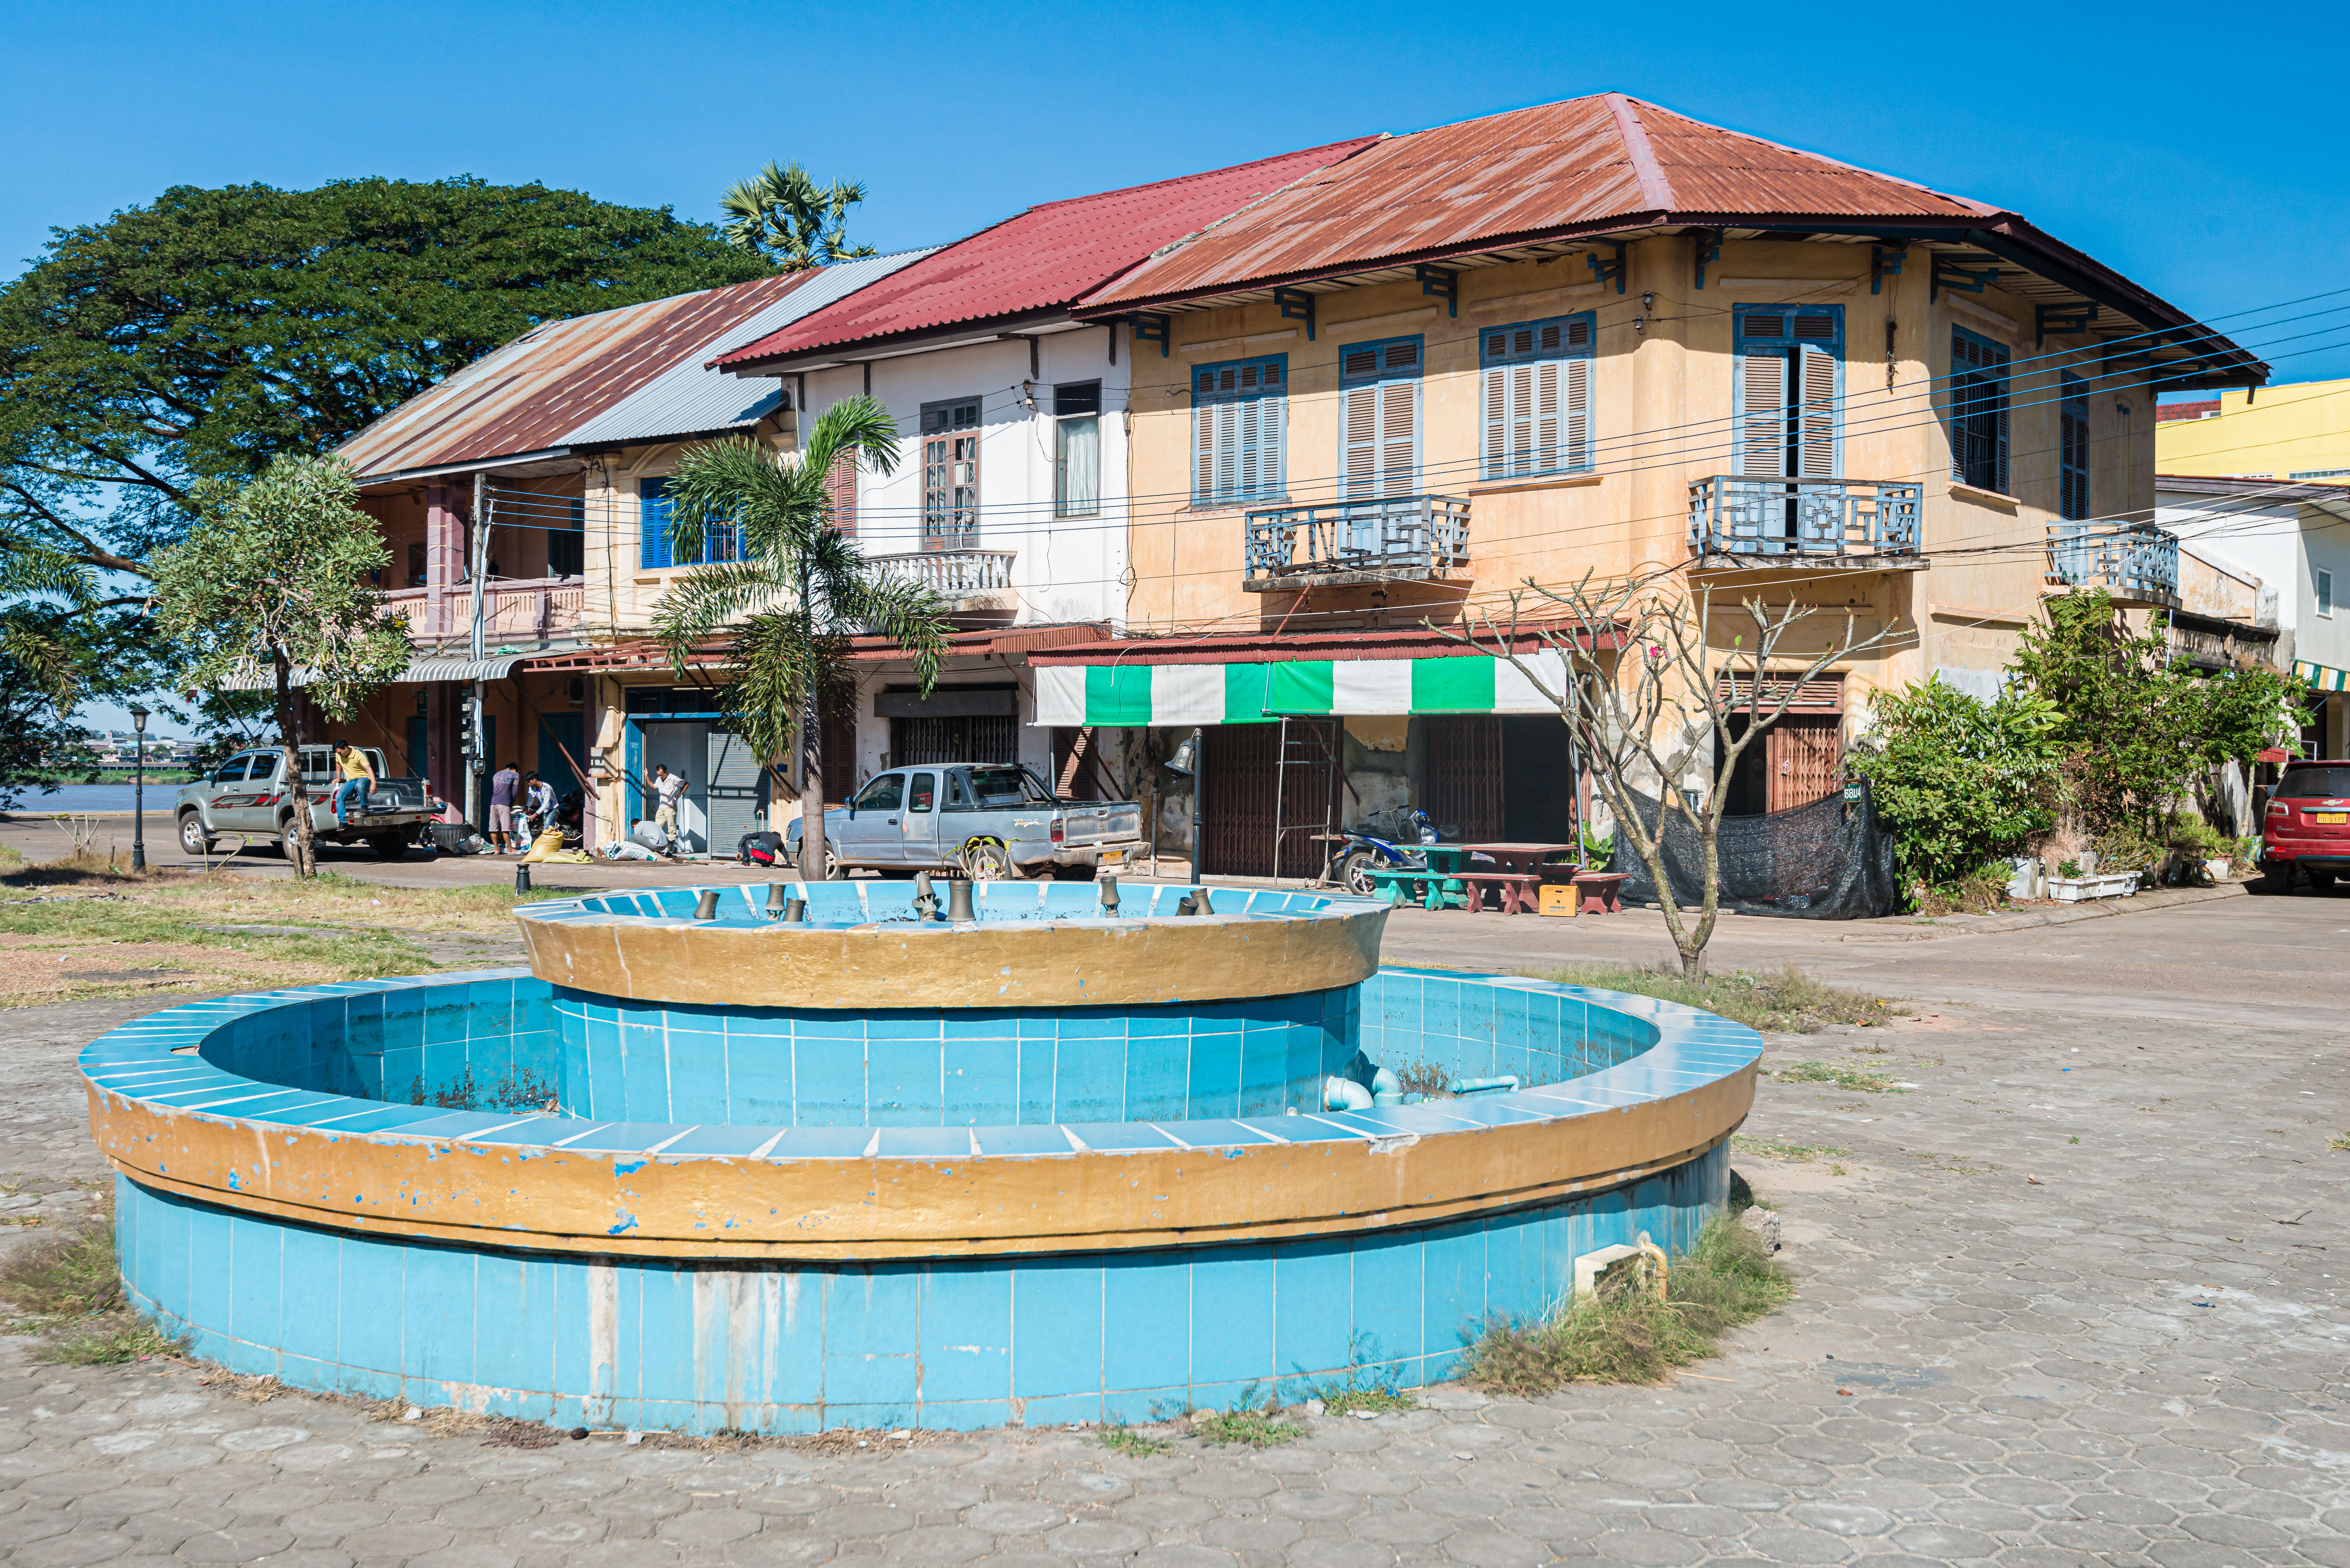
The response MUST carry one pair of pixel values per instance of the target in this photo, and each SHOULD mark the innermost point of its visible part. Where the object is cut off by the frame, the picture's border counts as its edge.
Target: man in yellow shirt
(359, 779)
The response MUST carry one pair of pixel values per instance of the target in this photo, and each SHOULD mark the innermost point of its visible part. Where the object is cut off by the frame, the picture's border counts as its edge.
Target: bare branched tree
(1653, 704)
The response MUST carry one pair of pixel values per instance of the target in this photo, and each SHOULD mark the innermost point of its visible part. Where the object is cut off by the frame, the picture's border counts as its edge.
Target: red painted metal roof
(1045, 257)
(1585, 163)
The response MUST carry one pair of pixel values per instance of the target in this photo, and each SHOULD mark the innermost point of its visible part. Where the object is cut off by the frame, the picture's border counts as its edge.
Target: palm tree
(794, 593)
(786, 217)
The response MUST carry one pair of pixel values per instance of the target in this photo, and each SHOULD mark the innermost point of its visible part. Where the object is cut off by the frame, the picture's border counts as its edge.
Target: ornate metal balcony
(514, 609)
(1394, 539)
(965, 579)
(1765, 521)
(2137, 563)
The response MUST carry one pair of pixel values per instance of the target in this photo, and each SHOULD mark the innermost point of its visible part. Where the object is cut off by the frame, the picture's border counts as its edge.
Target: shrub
(1961, 781)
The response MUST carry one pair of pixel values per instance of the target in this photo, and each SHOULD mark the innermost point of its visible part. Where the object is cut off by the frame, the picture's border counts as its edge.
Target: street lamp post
(139, 788)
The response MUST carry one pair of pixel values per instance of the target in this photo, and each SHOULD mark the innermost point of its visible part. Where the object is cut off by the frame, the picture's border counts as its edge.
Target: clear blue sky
(2198, 151)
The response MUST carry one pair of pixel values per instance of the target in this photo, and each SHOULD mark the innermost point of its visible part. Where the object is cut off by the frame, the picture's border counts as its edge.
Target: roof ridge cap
(1656, 191)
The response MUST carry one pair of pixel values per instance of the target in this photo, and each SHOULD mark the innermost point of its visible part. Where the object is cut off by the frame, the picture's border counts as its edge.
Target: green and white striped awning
(2321, 677)
(1136, 694)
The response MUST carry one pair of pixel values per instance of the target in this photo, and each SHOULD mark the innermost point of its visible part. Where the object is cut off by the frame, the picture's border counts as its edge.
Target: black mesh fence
(1830, 860)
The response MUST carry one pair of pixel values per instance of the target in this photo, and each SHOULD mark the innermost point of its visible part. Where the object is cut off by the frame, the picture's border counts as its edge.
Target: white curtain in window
(1077, 472)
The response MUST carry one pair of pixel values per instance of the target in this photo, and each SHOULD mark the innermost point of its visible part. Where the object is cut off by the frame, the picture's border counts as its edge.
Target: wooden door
(1804, 752)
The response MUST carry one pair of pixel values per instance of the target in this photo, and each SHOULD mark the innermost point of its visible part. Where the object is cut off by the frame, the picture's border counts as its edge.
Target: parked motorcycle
(1380, 844)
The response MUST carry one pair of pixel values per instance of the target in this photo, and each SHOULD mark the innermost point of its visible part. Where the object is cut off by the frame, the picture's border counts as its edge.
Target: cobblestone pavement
(2076, 1299)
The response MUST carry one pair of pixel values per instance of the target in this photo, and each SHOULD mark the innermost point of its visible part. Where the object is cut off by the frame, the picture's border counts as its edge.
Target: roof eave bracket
(1296, 305)
(1609, 271)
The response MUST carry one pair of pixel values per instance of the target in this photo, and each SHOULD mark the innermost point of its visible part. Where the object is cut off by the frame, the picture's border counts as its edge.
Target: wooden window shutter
(1228, 444)
(1399, 436)
(1203, 452)
(1545, 400)
(1820, 694)
(1272, 445)
(1497, 416)
(1362, 438)
(840, 493)
(653, 524)
(1575, 447)
(1759, 417)
(1818, 432)
(1246, 443)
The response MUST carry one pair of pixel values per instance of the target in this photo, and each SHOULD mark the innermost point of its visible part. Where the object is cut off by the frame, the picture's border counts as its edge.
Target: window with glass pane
(1077, 448)
(1240, 411)
(2072, 497)
(1979, 410)
(950, 473)
(1536, 385)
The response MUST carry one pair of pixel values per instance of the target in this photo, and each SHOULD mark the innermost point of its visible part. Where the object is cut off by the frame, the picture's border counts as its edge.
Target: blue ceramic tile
(821, 1143)
(1033, 1139)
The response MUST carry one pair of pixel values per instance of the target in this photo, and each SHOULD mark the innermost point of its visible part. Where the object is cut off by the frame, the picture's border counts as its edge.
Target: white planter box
(2081, 890)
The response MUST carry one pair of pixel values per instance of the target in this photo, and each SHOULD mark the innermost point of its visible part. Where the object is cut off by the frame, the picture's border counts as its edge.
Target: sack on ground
(544, 846)
(650, 835)
(615, 851)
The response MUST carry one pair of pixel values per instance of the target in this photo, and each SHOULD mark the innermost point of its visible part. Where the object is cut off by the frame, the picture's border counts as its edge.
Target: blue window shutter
(1379, 440)
(652, 517)
(1787, 393)
(1758, 394)
(1239, 419)
(1536, 387)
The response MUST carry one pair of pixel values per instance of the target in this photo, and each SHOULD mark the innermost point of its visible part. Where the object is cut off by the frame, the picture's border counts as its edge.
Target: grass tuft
(1842, 1077)
(1253, 1428)
(1629, 1337)
(1769, 1149)
(72, 1274)
(2340, 1140)
(1126, 1440)
(1787, 1001)
(111, 1340)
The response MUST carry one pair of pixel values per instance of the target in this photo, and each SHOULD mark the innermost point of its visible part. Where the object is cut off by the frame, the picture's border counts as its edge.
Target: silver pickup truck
(988, 821)
(248, 798)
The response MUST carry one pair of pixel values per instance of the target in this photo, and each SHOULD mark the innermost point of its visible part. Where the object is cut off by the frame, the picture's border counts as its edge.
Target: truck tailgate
(1084, 823)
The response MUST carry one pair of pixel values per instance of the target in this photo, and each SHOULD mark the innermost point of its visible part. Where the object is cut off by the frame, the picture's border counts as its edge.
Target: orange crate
(1558, 898)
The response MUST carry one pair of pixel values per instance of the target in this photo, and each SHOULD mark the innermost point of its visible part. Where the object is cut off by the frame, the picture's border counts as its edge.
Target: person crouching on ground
(537, 810)
(504, 786)
(357, 776)
(669, 788)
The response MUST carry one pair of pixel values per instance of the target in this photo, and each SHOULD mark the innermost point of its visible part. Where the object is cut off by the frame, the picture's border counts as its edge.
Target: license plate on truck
(1112, 857)
(2330, 818)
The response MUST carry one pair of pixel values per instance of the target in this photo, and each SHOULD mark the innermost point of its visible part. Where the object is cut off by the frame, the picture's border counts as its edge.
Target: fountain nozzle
(1109, 885)
(926, 903)
(706, 906)
(959, 902)
(795, 911)
(774, 900)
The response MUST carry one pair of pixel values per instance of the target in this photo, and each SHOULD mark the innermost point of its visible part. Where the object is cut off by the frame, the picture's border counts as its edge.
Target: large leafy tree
(784, 216)
(202, 334)
(273, 578)
(795, 594)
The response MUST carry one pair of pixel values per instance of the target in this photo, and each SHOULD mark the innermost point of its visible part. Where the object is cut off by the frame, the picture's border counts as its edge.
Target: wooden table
(1516, 874)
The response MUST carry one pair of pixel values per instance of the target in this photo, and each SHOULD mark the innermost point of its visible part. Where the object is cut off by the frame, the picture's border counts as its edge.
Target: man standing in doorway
(504, 786)
(668, 789)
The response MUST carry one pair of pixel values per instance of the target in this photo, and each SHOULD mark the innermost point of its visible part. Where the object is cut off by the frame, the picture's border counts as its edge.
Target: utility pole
(481, 559)
(811, 749)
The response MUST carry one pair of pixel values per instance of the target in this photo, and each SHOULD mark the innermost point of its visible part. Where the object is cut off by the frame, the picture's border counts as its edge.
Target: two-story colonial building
(1598, 337)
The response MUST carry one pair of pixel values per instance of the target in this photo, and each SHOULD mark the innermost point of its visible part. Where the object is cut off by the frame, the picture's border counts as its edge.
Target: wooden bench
(1429, 889)
(1596, 892)
(1519, 890)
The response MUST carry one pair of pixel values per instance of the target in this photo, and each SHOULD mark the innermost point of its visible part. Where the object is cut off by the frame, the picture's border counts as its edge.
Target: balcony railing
(2138, 565)
(1399, 537)
(1741, 516)
(527, 609)
(955, 576)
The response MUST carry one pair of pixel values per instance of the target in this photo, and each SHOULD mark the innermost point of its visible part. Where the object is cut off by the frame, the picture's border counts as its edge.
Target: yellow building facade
(2297, 432)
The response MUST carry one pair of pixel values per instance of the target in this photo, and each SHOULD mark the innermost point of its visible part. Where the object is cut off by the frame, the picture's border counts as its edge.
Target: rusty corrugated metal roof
(530, 394)
(1044, 258)
(1529, 173)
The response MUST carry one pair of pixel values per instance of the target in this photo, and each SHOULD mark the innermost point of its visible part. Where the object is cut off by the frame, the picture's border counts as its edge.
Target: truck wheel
(192, 837)
(989, 863)
(1355, 872)
(2322, 880)
(389, 846)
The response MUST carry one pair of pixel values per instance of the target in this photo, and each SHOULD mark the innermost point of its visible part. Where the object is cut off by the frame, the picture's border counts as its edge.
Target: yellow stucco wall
(1661, 405)
(2283, 431)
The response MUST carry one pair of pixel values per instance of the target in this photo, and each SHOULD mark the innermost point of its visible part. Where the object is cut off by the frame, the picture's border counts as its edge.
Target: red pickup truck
(2307, 826)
